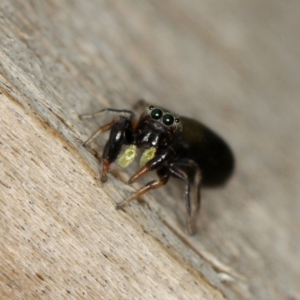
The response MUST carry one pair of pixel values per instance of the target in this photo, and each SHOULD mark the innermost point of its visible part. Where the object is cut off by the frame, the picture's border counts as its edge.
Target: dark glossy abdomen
(209, 151)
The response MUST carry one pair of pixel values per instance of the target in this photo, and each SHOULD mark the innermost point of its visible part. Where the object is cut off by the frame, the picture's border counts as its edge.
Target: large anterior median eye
(156, 113)
(168, 119)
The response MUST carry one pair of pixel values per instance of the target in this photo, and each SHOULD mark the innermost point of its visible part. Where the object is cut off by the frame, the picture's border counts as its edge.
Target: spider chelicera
(173, 146)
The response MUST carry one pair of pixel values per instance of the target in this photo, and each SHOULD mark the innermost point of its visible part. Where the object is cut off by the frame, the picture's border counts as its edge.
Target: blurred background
(233, 65)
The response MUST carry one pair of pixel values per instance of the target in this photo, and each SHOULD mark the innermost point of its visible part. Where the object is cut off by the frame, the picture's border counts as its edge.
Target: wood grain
(234, 65)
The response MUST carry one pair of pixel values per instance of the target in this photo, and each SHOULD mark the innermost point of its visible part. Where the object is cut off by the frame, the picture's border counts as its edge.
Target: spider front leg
(157, 163)
(154, 164)
(163, 177)
(120, 133)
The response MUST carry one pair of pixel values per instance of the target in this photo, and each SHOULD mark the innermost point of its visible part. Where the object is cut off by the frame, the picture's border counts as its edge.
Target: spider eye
(156, 113)
(151, 107)
(168, 119)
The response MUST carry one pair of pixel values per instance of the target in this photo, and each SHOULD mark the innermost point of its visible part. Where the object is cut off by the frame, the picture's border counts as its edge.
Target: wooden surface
(234, 65)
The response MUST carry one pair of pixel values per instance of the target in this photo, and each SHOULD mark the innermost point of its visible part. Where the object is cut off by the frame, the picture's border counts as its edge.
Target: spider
(172, 146)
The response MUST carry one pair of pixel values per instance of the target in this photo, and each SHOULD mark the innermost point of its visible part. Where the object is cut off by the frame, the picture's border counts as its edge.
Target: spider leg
(163, 175)
(155, 163)
(100, 130)
(189, 171)
(122, 112)
(179, 173)
(120, 133)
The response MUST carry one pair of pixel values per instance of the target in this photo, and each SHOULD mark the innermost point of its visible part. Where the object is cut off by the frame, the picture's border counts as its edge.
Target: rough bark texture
(234, 65)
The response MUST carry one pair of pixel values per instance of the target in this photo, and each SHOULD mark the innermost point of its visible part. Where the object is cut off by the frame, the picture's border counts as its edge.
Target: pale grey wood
(234, 65)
